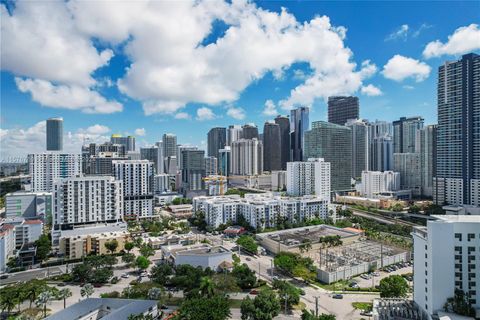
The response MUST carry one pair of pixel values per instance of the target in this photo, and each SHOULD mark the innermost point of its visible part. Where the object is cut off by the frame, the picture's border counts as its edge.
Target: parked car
(125, 276)
(337, 296)
(254, 292)
(4, 276)
(366, 313)
(302, 292)
(248, 259)
(114, 280)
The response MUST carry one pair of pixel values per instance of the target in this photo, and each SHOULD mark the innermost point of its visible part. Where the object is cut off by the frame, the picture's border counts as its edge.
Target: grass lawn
(362, 305)
(339, 285)
(235, 303)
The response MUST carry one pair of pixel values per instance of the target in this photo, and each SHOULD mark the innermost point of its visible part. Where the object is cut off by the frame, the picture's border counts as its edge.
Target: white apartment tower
(311, 177)
(247, 157)
(446, 258)
(137, 177)
(376, 182)
(46, 168)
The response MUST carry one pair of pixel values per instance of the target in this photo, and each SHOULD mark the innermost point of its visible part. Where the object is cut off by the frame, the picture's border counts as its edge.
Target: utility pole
(259, 274)
(271, 268)
(286, 300)
(316, 306)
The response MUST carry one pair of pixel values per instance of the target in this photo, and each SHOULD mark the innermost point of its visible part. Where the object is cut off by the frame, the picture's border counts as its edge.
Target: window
(458, 236)
(470, 236)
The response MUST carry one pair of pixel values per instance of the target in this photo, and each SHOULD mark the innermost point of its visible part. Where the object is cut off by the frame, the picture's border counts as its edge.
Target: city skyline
(76, 94)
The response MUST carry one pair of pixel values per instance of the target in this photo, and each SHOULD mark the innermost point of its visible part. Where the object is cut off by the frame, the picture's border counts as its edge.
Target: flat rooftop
(312, 233)
(204, 251)
(458, 218)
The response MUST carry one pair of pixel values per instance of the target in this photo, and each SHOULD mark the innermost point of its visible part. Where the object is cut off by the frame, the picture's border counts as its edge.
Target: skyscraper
(404, 134)
(224, 160)
(284, 124)
(457, 179)
(169, 141)
(45, 168)
(247, 157)
(211, 166)
(380, 146)
(128, 142)
(217, 139)
(234, 133)
(342, 109)
(409, 167)
(360, 146)
(333, 143)
(55, 134)
(299, 124)
(250, 131)
(155, 155)
(310, 177)
(193, 170)
(271, 147)
(426, 146)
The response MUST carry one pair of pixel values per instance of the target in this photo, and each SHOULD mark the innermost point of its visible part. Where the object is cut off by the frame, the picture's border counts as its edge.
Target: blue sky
(148, 78)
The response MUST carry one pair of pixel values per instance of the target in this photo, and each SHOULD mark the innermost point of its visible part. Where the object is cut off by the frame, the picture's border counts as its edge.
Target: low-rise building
(82, 230)
(7, 245)
(181, 211)
(28, 204)
(203, 255)
(77, 246)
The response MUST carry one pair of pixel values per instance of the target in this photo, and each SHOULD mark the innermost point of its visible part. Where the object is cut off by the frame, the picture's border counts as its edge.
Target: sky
(152, 67)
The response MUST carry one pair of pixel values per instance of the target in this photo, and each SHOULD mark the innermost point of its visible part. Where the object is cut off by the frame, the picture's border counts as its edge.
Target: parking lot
(374, 279)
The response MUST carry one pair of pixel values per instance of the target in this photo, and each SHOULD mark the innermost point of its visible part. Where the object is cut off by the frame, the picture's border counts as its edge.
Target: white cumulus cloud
(399, 68)
(371, 90)
(236, 113)
(463, 40)
(205, 113)
(140, 132)
(270, 109)
(400, 33)
(182, 115)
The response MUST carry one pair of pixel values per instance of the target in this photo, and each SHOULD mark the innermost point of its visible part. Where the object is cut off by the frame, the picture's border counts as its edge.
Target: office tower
(247, 157)
(426, 146)
(133, 155)
(377, 182)
(217, 139)
(360, 146)
(180, 149)
(234, 133)
(408, 165)
(284, 124)
(87, 200)
(193, 170)
(128, 142)
(211, 166)
(342, 109)
(161, 184)
(381, 154)
(54, 134)
(299, 124)
(155, 155)
(333, 143)
(45, 168)
(169, 145)
(404, 133)
(171, 165)
(445, 260)
(271, 147)
(137, 177)
(457, 179)
(108, 148)
(250, 131)
(310, 177)
(224, 160)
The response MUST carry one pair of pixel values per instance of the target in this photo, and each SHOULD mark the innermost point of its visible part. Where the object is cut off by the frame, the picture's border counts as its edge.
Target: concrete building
(377, 182)
(284, 124)
(7, 245)
(446, 259)
(271, 147)
(204, 256)
(224, 161)
(381, 153)
(279, 180)
(137, 177)
(169, 141)
(457, 179)
(211, 166)
(333, 143)
(217, 139)
(216, 185)
(161, 184)
(78, 246)
(360, 146)
(193, 170)
(128, 142)
(155, 155)
(409, 167)
(404, 134)
(342, 109)
(258, 182)
(299, 124)
(311, 177)
(180, 149)
(54, 137)
(234, 133)
(45, 168)
(28, 204)
(426, 146)
(250, 131)
(247, 157)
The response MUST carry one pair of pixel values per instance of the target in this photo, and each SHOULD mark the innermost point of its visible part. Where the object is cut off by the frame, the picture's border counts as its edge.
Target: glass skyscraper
(55, 134)
(299, 124)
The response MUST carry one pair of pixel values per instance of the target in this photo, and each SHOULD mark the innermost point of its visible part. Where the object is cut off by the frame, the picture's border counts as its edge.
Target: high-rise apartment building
(211, 166)
(445, 260)
(54, 134)
(284, 124)
(217, 139)
(457, 179)
(381, 154)
(45, 168)
(409, 167)
(404, 134)
(169, 141)
(193, 170)
(247, 157)
(234, 133)
(299, 124)
(250, 131)
(161, 183)
(128, 142)
(271, 147)
(377, 182)
(310, 177)
(333, 143)
(426, 146)
(137, 177)
(224, 161)
(360, 146)
(155, 155)
(180, 149)
(341, 109)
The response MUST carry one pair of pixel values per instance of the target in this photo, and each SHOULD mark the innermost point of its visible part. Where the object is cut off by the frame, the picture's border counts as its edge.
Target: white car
(125, 276)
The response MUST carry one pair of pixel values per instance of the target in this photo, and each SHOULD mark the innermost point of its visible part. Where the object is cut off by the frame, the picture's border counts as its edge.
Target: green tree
(201, 308)
(245, 277)
(33, 288)
(101, 275)
(146, 250)
(236, 259)
(160, 273)
(207, 287)
(287, 292)
(155, 293)
(43, 299)
(460, 304)
(248, 243)
(393, 287)
(111, 245)
(142, 262)
(309, 315)
(9, 298)
(82, 273)
(265, 306)
(44, 246)
(64, 294)
(87, 290)
(140, 316)
(129, 246)
(128, 258)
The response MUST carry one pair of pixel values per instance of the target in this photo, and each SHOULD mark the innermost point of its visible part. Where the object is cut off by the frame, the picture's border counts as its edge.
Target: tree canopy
(265, 306)
(393, 287)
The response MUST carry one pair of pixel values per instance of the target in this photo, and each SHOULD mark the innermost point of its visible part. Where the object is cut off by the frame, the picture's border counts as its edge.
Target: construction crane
(218, 179)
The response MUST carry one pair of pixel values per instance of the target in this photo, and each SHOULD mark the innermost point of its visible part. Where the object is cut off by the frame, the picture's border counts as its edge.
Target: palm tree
(207, 287)
(42, 300)
(87, 290)
(64, 294)
(154, 293)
